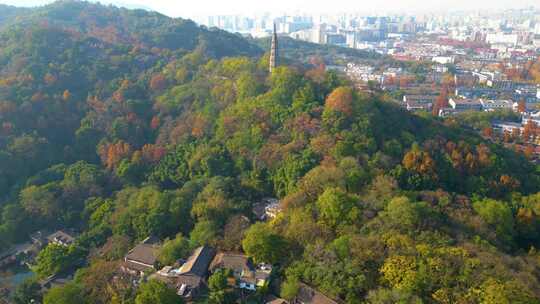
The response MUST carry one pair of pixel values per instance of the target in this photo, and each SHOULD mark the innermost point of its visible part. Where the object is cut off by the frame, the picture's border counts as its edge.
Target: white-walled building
(502, 38)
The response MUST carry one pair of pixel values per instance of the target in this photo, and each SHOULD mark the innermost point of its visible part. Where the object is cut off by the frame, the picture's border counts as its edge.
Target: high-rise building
(273, 51)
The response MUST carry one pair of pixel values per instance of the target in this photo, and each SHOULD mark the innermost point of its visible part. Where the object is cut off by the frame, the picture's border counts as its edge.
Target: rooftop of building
(466, 101)
(146, 252)
(60, 236)
(309, 295)
(197, 263)
(233, 261)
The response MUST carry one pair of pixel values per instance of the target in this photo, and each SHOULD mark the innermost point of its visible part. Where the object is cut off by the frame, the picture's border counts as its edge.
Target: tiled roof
(274, 300)
(144, 253)
(308, 295)
(192, 281)
(135, 266)
(60, 236)
(198, 262)
(236, 262)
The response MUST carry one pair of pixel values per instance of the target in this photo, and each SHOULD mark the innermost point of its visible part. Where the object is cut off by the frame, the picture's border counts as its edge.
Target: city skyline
(245, 7)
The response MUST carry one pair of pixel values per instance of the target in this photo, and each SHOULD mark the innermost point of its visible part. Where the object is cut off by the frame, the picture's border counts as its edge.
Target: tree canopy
(124, 124)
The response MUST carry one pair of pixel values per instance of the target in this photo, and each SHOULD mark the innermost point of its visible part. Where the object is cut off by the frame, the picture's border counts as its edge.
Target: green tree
(218, 280)
(54, 259)
(97, 281)
(401, 272)
(336, 207)
(391, 296)
(497, 214)
(218, 284)
(65, 294)
(404, 214)
(84, 175)
(130, 172)
(263, 245)
(214, 202)
(173, 249)
(204, 233)
(154, 291)
(495, 292)
(290, 288)
(144, 212)
(28, 291)
(41, 201)
(247, 86)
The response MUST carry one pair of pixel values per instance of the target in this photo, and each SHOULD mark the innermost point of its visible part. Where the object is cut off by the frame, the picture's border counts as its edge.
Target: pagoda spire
(273, 51)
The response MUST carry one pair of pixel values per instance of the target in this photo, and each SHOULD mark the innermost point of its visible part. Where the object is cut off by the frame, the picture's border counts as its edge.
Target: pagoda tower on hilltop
(273, 51)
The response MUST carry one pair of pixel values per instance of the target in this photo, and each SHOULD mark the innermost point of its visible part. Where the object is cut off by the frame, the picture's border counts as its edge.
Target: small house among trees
(189, 278)
(142, 258)
(247, 275)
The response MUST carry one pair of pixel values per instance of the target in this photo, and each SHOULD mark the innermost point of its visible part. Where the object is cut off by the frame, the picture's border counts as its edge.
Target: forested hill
(9, 13)
(140, 28)
(53, 58)
(126, 124)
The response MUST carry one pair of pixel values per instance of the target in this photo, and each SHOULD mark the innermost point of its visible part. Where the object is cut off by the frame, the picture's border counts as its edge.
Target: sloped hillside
(125, 124)
(54, 57)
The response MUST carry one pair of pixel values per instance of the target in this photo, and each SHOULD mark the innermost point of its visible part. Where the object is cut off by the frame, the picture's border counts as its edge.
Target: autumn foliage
(191, 132)
(158, 82)
(421, 162)
(112, 153)
(487, 132)
(152, 153)
(341, 100)
(66, 96)
(441, 101)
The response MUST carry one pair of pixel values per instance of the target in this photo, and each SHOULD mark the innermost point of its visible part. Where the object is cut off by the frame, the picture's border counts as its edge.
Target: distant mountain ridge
(126, 26)
(131, 5)
(9, 13)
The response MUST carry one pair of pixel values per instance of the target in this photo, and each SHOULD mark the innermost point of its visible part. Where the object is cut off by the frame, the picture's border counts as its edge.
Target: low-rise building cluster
(189, 278)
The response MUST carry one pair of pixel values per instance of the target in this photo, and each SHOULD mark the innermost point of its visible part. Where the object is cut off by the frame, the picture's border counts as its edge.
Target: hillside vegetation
(123, 124)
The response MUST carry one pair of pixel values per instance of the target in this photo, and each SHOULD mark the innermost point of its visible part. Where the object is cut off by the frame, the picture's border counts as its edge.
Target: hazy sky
(193, 8)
